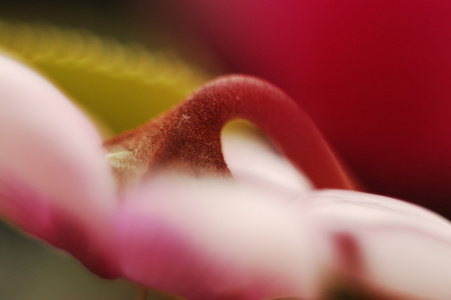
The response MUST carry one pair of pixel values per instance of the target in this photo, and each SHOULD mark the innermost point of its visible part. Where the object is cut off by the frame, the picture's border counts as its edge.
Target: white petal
(402, 247)
(251, 157)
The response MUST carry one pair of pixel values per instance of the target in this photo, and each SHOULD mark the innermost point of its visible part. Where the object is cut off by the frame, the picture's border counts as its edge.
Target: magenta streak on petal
(384, 262)
(23, 207)
(41, 217)
(349, 253)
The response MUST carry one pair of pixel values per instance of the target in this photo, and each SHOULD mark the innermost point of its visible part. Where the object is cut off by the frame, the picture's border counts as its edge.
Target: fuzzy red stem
(189, 134)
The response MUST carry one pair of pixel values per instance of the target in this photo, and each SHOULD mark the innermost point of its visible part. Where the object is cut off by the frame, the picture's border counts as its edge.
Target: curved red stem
(188, 136)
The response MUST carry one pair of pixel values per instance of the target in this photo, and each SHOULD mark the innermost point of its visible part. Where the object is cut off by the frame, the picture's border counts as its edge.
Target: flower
(209, 236)
(374, 77)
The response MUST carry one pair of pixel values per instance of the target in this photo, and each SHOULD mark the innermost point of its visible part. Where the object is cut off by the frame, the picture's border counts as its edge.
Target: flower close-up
(163, 206)
(133, 173)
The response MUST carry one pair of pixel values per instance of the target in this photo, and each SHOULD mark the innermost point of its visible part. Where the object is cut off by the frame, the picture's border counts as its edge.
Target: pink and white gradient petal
(54, 180)
(392, 245)
(229, 240)
(209, 239)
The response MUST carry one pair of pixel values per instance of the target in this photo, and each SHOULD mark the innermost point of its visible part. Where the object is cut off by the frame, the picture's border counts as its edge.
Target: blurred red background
(374, 75)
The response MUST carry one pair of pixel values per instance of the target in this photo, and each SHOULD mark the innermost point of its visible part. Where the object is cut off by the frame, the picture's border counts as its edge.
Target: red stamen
(188, 136)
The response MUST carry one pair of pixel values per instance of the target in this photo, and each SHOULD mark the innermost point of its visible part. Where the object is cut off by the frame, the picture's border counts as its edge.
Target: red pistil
(187, 138)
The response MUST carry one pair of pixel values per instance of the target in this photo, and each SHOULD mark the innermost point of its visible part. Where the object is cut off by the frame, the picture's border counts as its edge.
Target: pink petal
(225, 240)
(54, 181)
(398, 247)
(214, 240)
